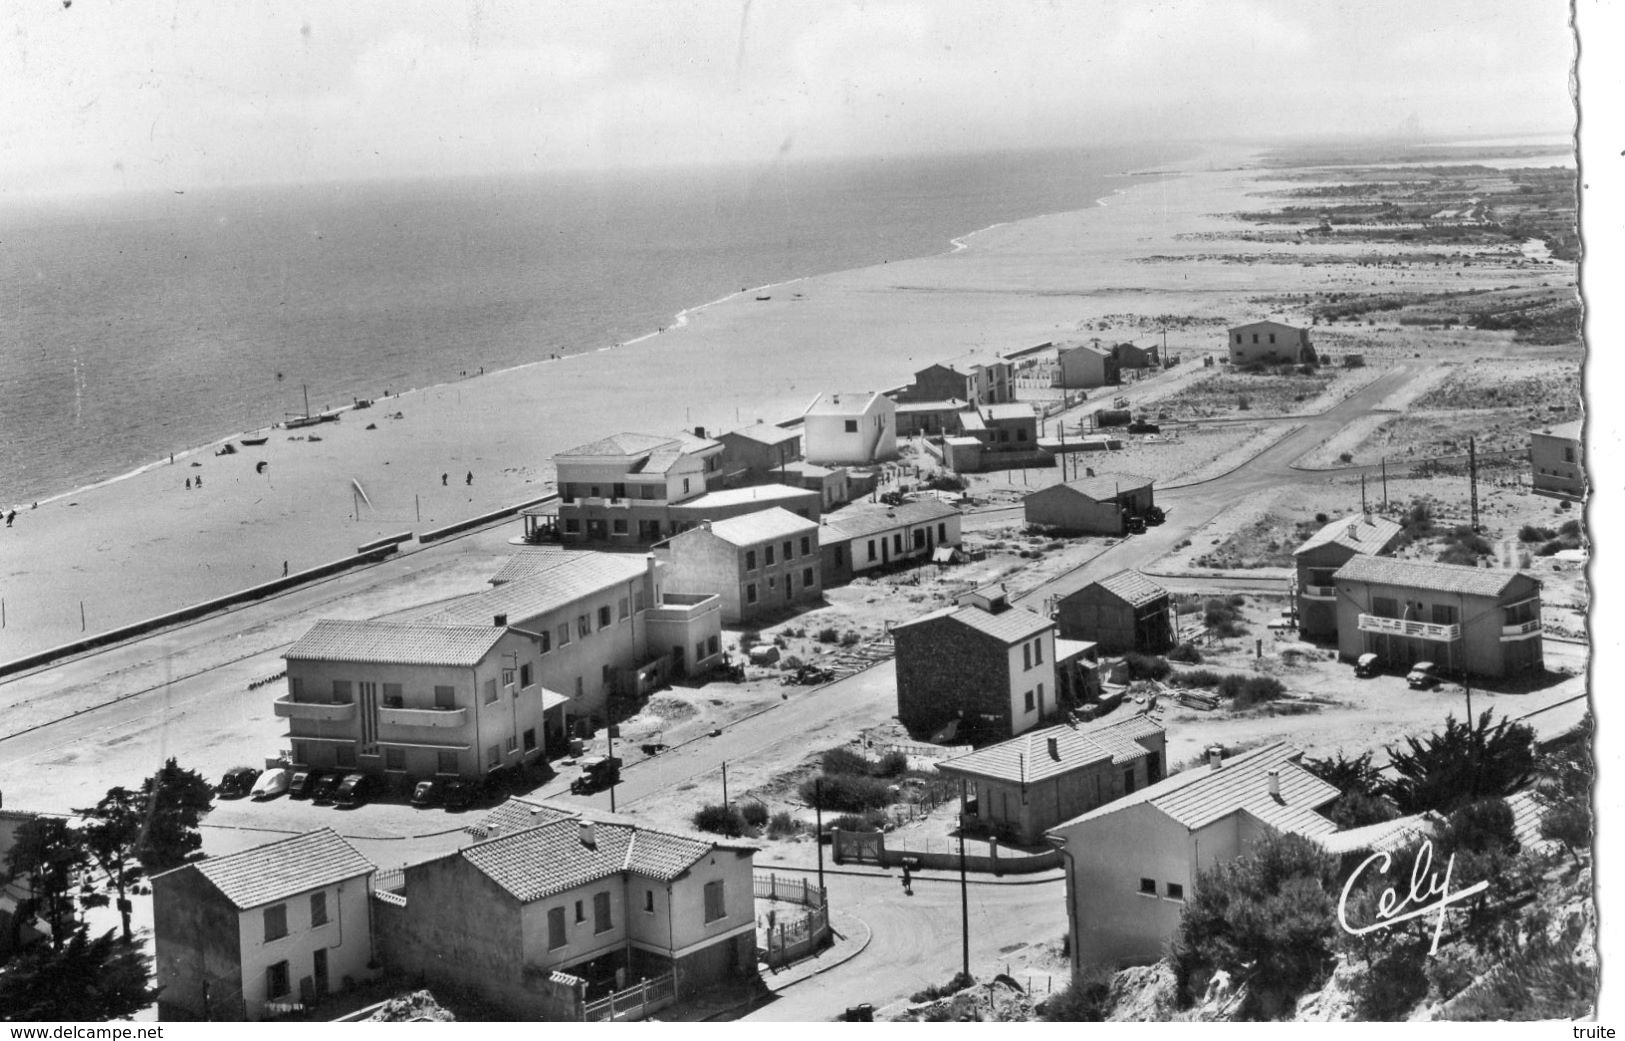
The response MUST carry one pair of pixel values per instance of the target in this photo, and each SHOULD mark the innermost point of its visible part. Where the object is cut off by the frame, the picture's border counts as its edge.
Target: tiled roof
(751, 528)
(766, 433)
(1267, 321)
(1199, 796)
(533, 560)
(1421, 574)
(516, 814)
(551, 858)
(951, 405)
(265, 874)
(1009, 411)
(863, 519)
(1108, 486)
(1380, 837)
(766, 494)
(1362, 533)
(1027, 758)
(1011, 625)
(843, 403)
(403, 643)
(584, 575)
(1526, 817)
(1570, 430)
(1132, 587)
(1091, 348)
(623, 444)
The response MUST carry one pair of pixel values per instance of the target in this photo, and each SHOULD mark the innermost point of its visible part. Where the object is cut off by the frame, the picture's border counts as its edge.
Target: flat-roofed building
(760, 564)
(850, 429)
(1557, 462)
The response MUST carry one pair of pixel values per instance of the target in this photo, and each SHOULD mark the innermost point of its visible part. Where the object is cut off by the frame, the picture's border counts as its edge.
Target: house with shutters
(984, 381)
(761, 564)
(1090, 505)
(1268, 343)
(1084, 366)
(867, 536)
(554, 907)
(850, 429)
(1022, 787)
(275, 928)
(1556, 461)
(1318, 559)
(1466, 620)
(758, 453)
(621, 489)
(1121, 613)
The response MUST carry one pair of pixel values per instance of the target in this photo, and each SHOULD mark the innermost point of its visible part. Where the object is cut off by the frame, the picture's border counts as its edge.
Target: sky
(148, 94)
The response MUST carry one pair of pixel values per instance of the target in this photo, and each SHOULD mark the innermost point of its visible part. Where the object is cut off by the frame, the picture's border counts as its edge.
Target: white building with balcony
(1466, 620)
(1318, 559)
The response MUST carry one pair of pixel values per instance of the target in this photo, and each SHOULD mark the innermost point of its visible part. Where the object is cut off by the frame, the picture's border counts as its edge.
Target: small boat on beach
(254, 442)
(308, 420)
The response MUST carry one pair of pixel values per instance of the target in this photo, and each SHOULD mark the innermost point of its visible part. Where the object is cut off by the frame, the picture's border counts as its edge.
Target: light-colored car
(272, 782)
(1423, 674)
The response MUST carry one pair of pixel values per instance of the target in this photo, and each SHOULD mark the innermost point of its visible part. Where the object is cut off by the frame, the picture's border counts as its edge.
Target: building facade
(760, 564)
(1318, 559)
(1120, 613)
(265, 930)
(1556, 462)
(620, 489)
(850, 429)
(1268, 343)
(1090, 505)
(1081, 367)
(1466, 620)
(869, 536)
(756, 454)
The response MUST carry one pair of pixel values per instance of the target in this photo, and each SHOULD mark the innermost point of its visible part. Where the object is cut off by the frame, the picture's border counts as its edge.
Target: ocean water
(135, 327)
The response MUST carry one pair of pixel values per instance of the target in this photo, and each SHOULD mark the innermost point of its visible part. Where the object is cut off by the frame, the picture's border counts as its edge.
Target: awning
(552, 699)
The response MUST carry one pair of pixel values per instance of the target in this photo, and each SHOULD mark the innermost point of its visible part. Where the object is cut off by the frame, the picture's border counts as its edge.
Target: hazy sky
(147, 94)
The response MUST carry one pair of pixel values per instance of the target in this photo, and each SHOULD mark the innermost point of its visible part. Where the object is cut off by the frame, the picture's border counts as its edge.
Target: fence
(634, 1002)
(870, 847)
(929, 751)
(790, 890)
(785, 941)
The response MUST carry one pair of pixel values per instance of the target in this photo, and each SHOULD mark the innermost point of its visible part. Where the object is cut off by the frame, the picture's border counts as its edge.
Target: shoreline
(680, 320)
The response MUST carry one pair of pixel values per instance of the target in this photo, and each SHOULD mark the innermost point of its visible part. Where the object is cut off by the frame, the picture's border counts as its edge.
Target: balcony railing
(423, 717)
(1371, 623)
(288, 708)
(1318, 592)
(1520, 630)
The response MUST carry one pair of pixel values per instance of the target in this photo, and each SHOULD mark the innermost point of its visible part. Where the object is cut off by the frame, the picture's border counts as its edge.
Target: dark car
(304, 783)
(237, 782)
(426, 793)
(327, 787)
(352, 790)
(456, 794)
(1140, 426)
(1367, 665)
(597, 773)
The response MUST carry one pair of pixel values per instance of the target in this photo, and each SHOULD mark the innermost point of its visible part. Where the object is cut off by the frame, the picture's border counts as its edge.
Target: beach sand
(145, 544)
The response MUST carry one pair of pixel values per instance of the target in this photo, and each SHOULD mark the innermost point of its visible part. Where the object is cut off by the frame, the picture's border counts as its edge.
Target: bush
(1394, 982)
(1532, 533)
(1247, 691)
(870, 820)
(850, 639)
(1345, 457)
(1462, 763)
(1186, 654)
(748, 639)
(720, 819)
(1484, 826)
(829, 634)
(844, 761)
(1083, 1000)
(1222, 617)
(754, 813)
(782, 825)
(1549, 548)
(847, 792)
(1198, 678)
(935, 991)
(892, 764)
(1146, 666)
(1570, 529)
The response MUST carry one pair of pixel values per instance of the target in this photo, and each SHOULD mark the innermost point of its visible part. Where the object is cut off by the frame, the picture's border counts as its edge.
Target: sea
(136, 326)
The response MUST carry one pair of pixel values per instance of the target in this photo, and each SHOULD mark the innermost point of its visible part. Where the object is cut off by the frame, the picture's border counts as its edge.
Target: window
(714, 908)
(1255, 337)
(394, 759)
(604, 617)
(750, 593)
(1175, 891)
(603, 674)
(1568, 455)
(572, 526)
(772, 581)
(512, 745)
(445, 762)
(750, 560)
(806, 544)
(1444, 614)
(789, 550)
(490, 690)
(596, 492)
(318, 908)
(344, 755)
(618, 526)
(1027, 657)
(1385, 607)
(583, 624)
(580, 687)
(897, 542)
(276, 980)
(623, 610)
(1148, 886)
(942, 531)
(851, 426)
(685, 486)
(712, 645)
(1038, 652)
(600, 913)
(296, 685)
(564, 634)
(581, 911)
(555, 928)
(276, 922)
(547, 641)
(393, 696)
(649, 900)
(806, 576)
(1029, 697)
(699, 650)
(524, 675)
(445, 697)
(767, 556)
(1021, 435)
(341, 692)
(840, 556)
(493, 755)
(1128, 781)
(530, 740)
(871, 549)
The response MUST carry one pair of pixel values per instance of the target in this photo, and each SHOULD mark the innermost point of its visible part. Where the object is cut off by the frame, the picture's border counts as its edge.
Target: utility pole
(725, 782)
(1472, 479)
(964, 888)
(1385, 484)
(818, 814)
(1363, 507)
(615, 774)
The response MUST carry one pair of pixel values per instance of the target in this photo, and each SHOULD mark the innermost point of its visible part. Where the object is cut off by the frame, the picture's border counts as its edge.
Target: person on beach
(200, 480)
(470, 479)
(188, 484)
(284, 569)
(442, 480)
(11, 517)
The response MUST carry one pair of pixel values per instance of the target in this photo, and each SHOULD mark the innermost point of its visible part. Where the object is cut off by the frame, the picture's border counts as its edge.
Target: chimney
(1055, 748)
(699, 432)
(500, 621)
(1275, 783)
(1215, 757)
(1354, 531)
(705, 525)
(588, 837)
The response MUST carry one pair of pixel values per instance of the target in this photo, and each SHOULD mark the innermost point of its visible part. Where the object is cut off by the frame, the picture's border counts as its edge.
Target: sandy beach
(728, 364)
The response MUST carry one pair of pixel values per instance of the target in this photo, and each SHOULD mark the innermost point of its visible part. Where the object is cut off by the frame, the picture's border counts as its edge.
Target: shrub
(892, 764)
(1462, 763)
(847, 792)
(850, 639)
(869, 820)
(748, 639)
(1223, 618)
(720, 819)
(1321, 518)
(1532, 533)
(1478, 827)
(1345, 457)
(754, 813)
(1247, 691)
(829, 634)
(782, 825)
(1394, 982)
(1146, 666)
(1084, 999)
(1198, 678)
(844, 761)
(935, 991)
(1549, 548)
(1186, 653)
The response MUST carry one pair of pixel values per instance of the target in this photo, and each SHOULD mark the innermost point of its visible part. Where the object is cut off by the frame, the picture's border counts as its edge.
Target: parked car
(237, 782)
(352, 790)
(272, 783)
(303, 783)
(425, 793)
(456, 794)
(1367, 665)
(1423, 674)
(327, 787)
(597, 773)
